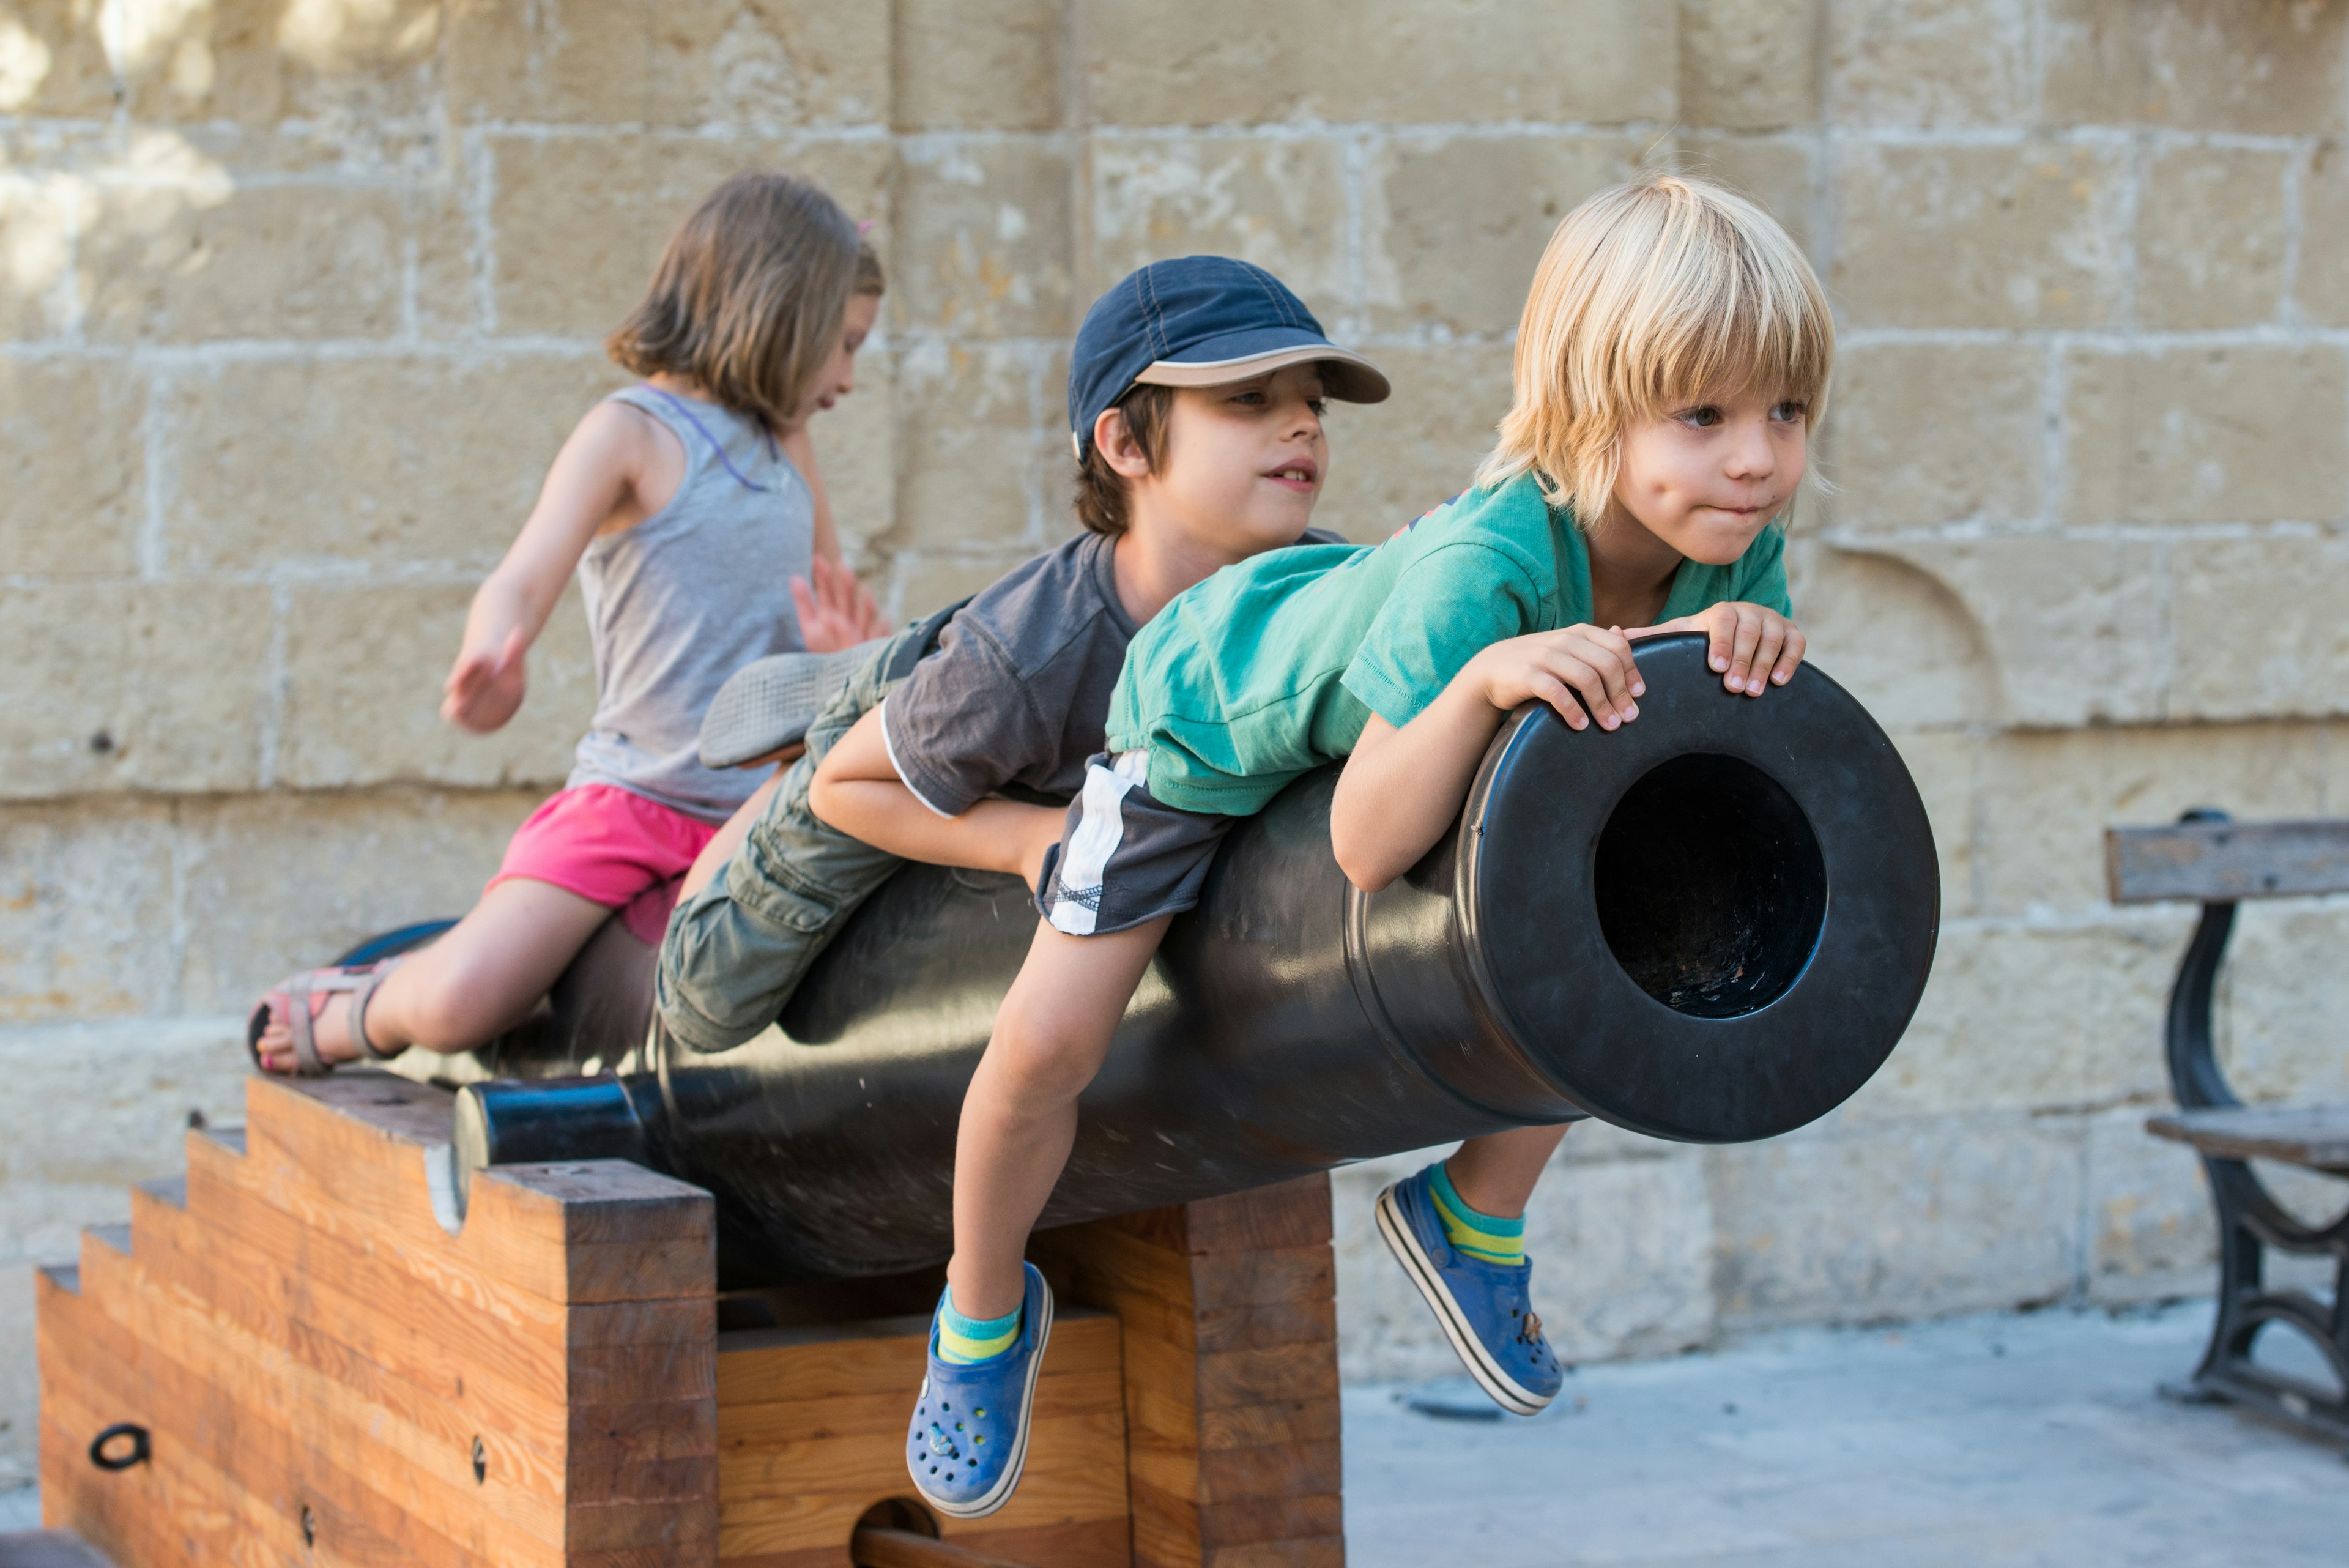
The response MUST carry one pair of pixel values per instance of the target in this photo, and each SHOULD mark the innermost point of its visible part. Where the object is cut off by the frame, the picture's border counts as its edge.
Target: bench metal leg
(2250, 1222)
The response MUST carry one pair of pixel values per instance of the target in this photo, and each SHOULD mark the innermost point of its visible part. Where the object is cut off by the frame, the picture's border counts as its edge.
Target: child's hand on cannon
(1553, 667)
(1748, 640)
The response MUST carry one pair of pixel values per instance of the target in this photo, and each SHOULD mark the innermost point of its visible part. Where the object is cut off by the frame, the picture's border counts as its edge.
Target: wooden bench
(2217, 861)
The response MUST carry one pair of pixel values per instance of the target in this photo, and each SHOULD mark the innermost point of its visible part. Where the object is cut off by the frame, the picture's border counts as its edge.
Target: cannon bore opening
(1711, 892)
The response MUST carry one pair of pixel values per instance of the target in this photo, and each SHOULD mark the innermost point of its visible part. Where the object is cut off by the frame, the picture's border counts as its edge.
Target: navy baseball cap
(1201, 321)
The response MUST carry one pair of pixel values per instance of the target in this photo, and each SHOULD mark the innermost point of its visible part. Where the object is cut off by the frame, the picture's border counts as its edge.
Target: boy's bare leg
(1495, 1174)
(478, 978)
(1019, 1118)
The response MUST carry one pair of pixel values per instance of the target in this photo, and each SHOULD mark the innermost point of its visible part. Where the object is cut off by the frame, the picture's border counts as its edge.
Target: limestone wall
(299, 297)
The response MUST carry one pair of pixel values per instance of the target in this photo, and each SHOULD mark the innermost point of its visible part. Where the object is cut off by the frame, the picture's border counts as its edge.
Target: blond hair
(1651, 297)
(749, 295)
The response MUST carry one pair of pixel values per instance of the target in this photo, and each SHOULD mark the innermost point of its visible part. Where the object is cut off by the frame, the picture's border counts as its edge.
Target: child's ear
(1117, 446)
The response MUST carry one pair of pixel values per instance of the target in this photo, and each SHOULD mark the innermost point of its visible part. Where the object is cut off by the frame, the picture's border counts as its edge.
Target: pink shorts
(611, 847)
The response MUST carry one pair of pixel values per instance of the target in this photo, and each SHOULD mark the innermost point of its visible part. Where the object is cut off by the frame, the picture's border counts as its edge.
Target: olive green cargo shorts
(735, 951)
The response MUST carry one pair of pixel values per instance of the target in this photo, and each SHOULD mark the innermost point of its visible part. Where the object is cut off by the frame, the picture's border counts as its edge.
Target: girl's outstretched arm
(614, 469)
(1402, 787)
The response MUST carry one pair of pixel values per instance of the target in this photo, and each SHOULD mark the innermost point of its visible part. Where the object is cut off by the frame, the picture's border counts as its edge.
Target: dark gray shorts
(1124, 857)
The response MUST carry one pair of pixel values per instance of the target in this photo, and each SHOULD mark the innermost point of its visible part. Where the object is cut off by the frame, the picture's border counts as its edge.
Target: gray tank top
(685, 599)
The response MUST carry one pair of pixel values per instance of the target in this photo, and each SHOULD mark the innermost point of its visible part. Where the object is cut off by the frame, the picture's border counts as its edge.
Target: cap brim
(1345, 375)
(768, 703)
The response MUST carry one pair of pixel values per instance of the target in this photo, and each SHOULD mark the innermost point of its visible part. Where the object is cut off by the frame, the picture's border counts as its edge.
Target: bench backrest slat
(2212, 861)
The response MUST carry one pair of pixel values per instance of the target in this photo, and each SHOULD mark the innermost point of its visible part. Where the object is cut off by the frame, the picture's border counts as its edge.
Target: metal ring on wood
(138, 1454)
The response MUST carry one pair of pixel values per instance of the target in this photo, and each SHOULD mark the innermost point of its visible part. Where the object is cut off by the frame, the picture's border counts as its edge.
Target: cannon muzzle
(1711, 925)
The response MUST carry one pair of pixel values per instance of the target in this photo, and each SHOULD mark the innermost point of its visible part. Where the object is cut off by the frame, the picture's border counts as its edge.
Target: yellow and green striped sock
(1480, 1236)
(964, 1339)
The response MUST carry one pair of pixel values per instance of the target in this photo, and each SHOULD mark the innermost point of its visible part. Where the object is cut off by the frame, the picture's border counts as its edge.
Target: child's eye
(1790, 411)
(1252, 399)
(1703, 418)
(1320, 406)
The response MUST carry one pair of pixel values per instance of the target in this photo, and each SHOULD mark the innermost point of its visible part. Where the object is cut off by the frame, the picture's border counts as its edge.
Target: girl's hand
(1749, 642)
(485, 689)
(838, 611)
(1552, 667)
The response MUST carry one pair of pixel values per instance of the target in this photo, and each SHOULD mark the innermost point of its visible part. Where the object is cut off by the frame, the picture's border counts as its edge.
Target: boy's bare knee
(1041, 1058)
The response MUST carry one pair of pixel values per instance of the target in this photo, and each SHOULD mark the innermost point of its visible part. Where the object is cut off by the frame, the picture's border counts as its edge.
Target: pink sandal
(301, 997)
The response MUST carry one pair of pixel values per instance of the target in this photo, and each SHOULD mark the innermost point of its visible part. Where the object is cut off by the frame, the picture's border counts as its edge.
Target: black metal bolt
(480, 1462)
(309, 1529)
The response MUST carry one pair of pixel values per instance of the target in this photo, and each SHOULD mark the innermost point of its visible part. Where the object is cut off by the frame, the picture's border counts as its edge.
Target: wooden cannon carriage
(303, 1364)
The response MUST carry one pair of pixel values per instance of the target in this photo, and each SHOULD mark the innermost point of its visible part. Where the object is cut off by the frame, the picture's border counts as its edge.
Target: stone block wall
(297, 298)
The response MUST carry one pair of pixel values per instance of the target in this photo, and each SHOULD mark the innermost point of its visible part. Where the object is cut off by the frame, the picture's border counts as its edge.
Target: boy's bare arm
(1402, 787)
(856, 790)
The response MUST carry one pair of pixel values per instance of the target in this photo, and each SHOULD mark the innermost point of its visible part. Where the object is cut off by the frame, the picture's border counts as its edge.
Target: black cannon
(1713, 926)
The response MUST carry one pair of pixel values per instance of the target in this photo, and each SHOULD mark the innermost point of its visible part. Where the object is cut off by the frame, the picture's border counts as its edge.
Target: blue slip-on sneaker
(969, 1437)
(1483, 1309)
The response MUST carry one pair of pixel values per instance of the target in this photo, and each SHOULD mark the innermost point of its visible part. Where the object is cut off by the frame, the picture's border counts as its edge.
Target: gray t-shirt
(1017, 696)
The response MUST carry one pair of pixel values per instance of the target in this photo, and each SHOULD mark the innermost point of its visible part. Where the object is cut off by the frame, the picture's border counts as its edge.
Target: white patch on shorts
(1084, 860)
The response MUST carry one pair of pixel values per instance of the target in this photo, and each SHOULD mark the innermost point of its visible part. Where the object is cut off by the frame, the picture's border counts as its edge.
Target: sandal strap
(363, 993)
(299, 1019)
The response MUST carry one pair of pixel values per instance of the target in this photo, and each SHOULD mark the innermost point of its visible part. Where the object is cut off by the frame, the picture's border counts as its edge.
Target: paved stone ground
(1985, 1442)
(2001, 1441)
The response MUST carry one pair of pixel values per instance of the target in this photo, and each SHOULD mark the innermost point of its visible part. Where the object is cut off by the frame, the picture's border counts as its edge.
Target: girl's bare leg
(1019, 1118)
(1495, 1174)
(480, 977)
(727, 839)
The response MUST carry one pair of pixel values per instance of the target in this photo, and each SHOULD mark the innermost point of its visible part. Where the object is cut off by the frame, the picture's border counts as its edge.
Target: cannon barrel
(1711, 925)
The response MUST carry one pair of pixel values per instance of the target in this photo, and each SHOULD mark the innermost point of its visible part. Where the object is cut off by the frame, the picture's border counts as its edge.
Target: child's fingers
(869, 618)
(1765, 653)
(1720, 626)
(1746, 633)
(1610, 706)
(1791, 657)
(1632, 683)
(1554, 692)
(1608, 654)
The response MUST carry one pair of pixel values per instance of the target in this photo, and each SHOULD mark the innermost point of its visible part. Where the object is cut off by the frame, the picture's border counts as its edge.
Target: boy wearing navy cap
(1196, 389)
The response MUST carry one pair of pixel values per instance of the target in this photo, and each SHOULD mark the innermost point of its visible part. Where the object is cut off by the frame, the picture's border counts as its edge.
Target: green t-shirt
(1271, 667)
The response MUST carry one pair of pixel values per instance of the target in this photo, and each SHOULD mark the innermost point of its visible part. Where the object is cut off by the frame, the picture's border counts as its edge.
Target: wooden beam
(1231, 1373)
(875, 1547)
(325, 1371)
(2224, 861)
(2316, 1137)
